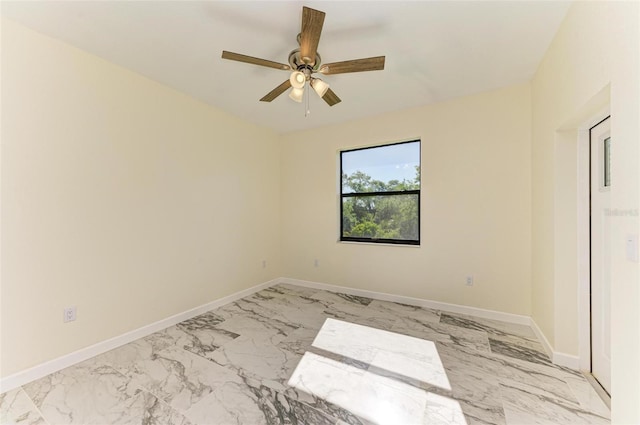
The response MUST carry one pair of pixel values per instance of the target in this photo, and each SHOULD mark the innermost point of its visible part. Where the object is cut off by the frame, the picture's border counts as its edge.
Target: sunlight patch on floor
(377, 393)
(404, 355)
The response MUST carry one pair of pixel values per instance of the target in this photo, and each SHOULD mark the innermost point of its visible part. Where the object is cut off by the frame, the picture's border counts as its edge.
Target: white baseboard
(419, 302)
(558, 358)
(566, 360)
(561, 359)
(543, 339)
(23, 377)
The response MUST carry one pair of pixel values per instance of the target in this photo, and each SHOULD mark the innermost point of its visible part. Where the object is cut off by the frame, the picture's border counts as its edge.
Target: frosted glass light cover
(296, 94)
(297, 79)
(319, 86)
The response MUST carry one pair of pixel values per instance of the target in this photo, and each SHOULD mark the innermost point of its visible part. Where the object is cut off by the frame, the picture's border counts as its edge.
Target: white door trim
(584, 240)
(600, 256)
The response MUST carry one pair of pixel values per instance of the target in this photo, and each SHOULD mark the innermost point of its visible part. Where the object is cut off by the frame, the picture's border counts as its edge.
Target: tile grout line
(37, 409)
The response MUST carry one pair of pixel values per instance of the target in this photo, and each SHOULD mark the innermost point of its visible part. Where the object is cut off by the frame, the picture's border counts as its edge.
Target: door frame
(584, 238)
(600, 195)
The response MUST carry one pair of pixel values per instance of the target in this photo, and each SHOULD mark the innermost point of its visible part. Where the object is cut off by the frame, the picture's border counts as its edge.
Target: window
(380, 194)
(607, 162)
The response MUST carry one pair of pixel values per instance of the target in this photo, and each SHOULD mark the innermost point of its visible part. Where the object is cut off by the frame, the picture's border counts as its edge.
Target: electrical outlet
(316, 263)
(264, 264)
(69, 314)
(470, 280)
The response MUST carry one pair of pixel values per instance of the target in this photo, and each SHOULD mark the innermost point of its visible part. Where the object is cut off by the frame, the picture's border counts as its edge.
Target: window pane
(382, 169)
(607, 162)
(381, 217)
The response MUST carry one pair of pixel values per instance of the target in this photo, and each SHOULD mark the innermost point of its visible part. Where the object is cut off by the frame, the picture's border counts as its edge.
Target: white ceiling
(435, 50)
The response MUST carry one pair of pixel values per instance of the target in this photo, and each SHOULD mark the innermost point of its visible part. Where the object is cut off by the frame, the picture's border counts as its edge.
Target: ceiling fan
(305, 61)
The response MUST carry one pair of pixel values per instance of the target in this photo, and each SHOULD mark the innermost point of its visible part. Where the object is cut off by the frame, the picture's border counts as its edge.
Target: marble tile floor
(294, 355)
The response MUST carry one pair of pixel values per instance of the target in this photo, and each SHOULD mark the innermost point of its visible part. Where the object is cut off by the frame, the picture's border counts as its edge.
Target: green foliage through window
(381, 194)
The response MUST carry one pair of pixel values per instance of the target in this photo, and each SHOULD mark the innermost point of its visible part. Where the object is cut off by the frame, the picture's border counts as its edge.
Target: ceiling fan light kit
(305, 61)
(319, 86)
(297, 93)
(297, 79)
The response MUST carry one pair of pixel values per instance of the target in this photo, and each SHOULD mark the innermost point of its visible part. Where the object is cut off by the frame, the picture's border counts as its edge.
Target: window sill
(395, 245)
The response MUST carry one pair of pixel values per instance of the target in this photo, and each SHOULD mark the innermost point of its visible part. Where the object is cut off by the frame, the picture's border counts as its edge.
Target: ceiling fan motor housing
(296, 62)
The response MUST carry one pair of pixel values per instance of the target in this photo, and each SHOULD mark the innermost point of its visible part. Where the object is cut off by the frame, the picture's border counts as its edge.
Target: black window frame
(388, 193)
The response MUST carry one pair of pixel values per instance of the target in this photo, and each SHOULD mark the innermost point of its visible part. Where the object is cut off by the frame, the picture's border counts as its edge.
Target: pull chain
(306, 95)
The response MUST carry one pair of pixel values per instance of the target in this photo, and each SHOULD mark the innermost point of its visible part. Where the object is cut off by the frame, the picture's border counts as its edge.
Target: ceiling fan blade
(276, 92)
(254, 61)
(331, 98)
(312, 21)
(356, 65)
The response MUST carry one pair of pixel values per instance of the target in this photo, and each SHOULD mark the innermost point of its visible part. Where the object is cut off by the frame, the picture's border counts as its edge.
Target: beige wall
(475, 206)
(597, 45)
(122, 197)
